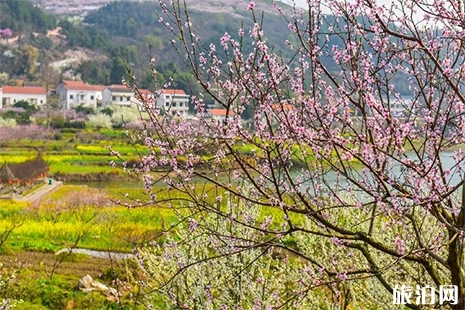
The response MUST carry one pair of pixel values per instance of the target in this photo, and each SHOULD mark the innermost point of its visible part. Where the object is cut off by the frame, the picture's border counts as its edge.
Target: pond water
(446, 159)
(98, 254)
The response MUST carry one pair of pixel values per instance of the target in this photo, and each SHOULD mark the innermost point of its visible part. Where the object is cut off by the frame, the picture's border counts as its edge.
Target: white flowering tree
(8, 122)
(6, 278)
(212, 262)
(124, 115)
(99, 121)
(354, 186)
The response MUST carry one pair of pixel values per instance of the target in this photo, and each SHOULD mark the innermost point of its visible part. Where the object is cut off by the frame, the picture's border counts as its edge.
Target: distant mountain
(84, 7)
(137, 23)
(122, 31)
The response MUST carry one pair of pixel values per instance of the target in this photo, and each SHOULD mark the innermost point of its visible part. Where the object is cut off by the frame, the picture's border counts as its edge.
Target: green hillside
(22, 16)
(122, 33)
(133, 27)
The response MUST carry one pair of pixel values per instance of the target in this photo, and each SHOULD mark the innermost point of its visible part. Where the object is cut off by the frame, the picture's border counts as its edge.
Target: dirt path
(41, 192)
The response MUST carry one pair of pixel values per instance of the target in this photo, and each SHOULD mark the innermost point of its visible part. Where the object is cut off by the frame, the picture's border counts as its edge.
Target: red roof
(283, 107)
(117, 86)
(221, 112)
(99, 87)
(80, 85)
(29, 90)
(120, 86)
(142, 91)
(173, 92)
(145, 92)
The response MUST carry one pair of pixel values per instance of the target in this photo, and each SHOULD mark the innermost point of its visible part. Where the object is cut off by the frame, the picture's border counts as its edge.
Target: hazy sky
(303, 3)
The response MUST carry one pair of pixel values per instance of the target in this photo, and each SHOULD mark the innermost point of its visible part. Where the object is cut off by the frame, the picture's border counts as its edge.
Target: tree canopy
(355, 189)
(22, 16)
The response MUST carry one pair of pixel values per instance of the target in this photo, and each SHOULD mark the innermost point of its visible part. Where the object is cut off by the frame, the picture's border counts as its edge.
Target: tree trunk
(454, 261)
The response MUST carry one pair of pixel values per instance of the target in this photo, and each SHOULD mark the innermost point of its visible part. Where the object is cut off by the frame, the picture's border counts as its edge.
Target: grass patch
(37, 290)
(123, 149)
(50, 225)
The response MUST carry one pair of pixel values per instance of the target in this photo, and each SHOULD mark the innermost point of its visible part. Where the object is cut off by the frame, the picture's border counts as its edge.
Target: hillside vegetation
(22, 16)
(127, 34)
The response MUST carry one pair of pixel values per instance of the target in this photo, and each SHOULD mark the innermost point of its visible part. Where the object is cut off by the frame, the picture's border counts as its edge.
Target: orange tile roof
(221, 112)
(142, 91)
(80, 85)
(145, 92)
(73, 83)
(283, 107)
(99, 87)
(173, 92)
(30, 90)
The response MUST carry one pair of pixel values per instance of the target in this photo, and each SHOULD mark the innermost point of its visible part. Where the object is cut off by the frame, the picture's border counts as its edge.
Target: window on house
(91, 97)
(71, 96)
(121, 98)
(113, 98)
(174, 104)
(41, 101)
(167, 104)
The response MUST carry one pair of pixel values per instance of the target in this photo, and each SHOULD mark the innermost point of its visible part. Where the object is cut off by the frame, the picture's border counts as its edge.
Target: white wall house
(75, 93)
(402, 108)
(13, 94)
(174, 101)
(117, 95)
(120, 95)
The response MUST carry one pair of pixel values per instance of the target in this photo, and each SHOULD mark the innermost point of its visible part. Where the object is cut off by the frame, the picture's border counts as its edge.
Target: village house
(76, 93)
(174, 102)
(120, 95)
(282, 107)
(13, 94)
(280, 112)
(401, 108)
(221, 114)
(16, 177)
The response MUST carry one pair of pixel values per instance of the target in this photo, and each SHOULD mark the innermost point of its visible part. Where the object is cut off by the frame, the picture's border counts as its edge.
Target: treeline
(123, 18)
(129, 34)
(22, 16)
(111, 72)
(136, 34)
(137, 23)
(84, 36)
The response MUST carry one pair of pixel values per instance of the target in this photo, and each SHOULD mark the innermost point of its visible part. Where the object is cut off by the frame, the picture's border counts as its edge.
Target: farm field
(72, 217)
(74, 153)
(75, 216)
(99, 208)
